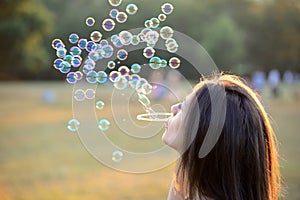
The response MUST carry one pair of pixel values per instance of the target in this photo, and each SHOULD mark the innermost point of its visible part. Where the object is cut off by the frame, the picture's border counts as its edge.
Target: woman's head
(230, 154)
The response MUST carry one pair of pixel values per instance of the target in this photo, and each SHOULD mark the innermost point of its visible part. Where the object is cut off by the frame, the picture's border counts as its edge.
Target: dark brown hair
(243, 163)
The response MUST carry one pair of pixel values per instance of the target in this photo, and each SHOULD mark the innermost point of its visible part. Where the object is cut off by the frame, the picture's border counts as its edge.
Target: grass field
(41, 159)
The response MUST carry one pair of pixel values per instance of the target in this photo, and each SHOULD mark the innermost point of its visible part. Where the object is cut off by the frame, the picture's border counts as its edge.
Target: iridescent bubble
(61, 52)
(135, 40)
(100, 105)
(155, 22)
(68, 58)
(103, 124)
(174, 62)
(102, 77)
(78, 75)
(120, 82)
(131, 9)
(117, 156)
(107, 51)
(140, 83)
(82, 43)
(155, 62)
(134, 80)
(57, 62)
(111, 65)
(73, 125)
(124, 70)
(71, 78)
(64, 67)
(96, 36)
(162, 17)
(146, 88)
(89, 64)
(113, 13)
(172, 47)
(163, 63)
(114, 38)
(166, 32)
(95, 55)
(121, 17)
(125, 37)
(143, 99)
(91, 77)
(108, 24)
(122, 54)
(148, 52)
(113, 75)
(73, 38)
(89, 94)
(75, 51)
(79, 95)
(89, 46)
(152, 38)
(136, 68)
(142, 37)
(118, 43)
(55, 42)
(115, 2)
(167, 8)
(103, 43)
(90, 21)
(148, 23)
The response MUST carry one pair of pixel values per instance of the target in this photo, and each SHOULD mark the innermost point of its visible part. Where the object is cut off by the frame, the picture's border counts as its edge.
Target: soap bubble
(136, 68)
(91, 77)
(117, 156)
(73, 125)
(155, 22)
(78, 75)
(82, 43)
(79, 95)
(113, 75)
(96, 36)
(68, 58)
(172, 47)
(89, 94)
(167, 8)
(139, 84)
(71, 78)
(121, 17)
(122, 54)
(163, 63)
(95, 55)
(100, 105)
(75, 51)
(115, 2)
(124, 70)
(89, 46)
(103, 124)
(61, 52)
(107, 51)
(108, 24)
(155, 62)
(125, 37)
(120, 82)
(166, 32)
(162, 17)
(76, 61)
(135, 40)
(134, 80)
(148, 52)
(102, 77)
(56, 42)
(90, 21)
(89, 64)
(146, 88)
(57, 62)
(64, 67)
(103, 42)
(174, 62)
(111, 65)
(113, 13)
(73, 38)
(131, 9)
(118, 43)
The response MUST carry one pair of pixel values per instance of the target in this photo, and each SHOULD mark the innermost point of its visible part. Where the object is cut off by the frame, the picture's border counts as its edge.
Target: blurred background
(40, 159)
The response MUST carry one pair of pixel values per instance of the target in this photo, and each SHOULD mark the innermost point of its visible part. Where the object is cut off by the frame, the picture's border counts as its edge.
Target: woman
(227, 145)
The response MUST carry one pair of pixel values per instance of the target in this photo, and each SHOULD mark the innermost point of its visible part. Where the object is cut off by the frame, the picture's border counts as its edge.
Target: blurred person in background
(274, 80)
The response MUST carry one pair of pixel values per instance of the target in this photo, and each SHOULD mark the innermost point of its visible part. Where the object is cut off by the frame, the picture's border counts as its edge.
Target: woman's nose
(175, 109)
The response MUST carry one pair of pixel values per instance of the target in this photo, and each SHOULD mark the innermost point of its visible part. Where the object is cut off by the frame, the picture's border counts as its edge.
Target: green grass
(41, 159)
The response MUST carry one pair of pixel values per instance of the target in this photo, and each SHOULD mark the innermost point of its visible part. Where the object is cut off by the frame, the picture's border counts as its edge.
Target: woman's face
(173, 135)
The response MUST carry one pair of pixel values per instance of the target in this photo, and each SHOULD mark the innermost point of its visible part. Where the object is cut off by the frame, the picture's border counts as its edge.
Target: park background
(40, 159)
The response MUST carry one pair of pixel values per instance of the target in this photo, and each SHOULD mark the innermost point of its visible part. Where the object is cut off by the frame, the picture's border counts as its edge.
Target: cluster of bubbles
(97, 48)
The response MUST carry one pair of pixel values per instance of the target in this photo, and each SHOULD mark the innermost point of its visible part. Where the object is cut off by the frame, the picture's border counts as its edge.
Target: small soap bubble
(61, 52)
(152, 37)
(122, 54)
(166, 32)
(125, 37)
(75, 51)
(103, 43)
(163, 63)
(113, 13)
(64, 67)
(172, 47)
(102, 77)
(82, 43)
(131, 9)
(120, 83)
(174, 62)
(71, 78)
(117, 156)
(148, 52)
(134, 80)
(95, 55)
(146, 88)
(136, 68)
(79, 95)
(155, 22)
(162, 17)
(103, 124)
(90, 21)
(96, 36)
(124, 70)
(167, 8)
(73, 38)
(108, 24)
(91, 77)
(113, 75)
(89, 46)
(155, 62)
(148, 23)
(100, 105)
(78, 75)
(118, 43)
(89, 64)
(107, 51)
(89, 94)
(139, 85)
(135, 40)
(73, 125)
(115, 2)
(57, 62)
(111, 65)
(55, 43)
(68, 58)
(121, 17)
